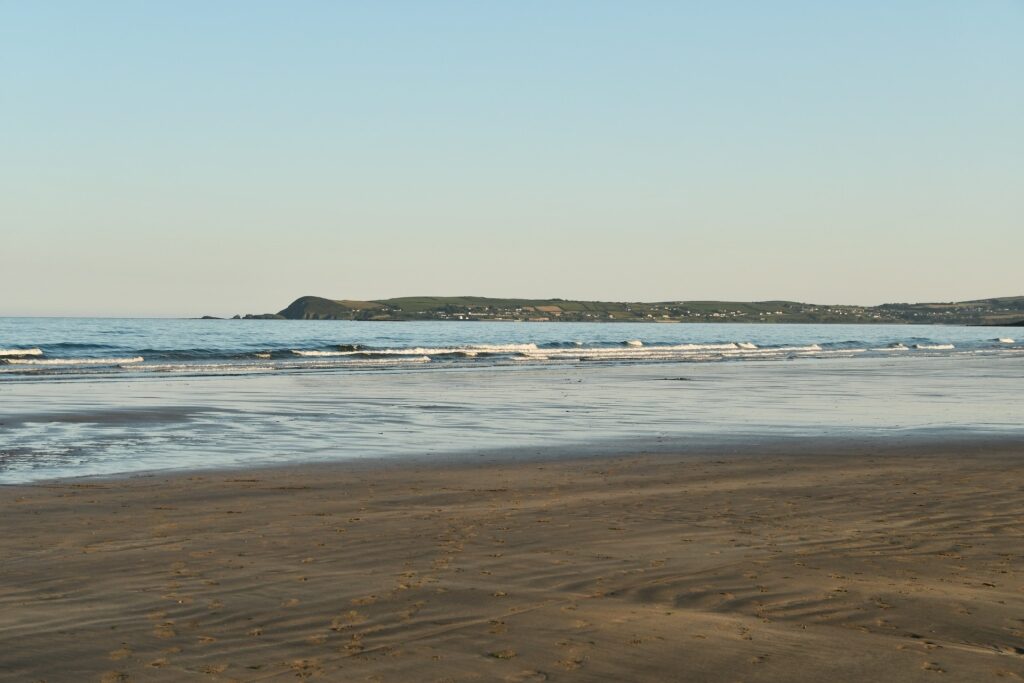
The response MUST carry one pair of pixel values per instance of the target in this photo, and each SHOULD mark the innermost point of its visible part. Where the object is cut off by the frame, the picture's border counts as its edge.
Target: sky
(190, 158)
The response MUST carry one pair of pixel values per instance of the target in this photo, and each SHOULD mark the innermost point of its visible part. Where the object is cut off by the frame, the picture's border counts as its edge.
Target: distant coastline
(1001, 311)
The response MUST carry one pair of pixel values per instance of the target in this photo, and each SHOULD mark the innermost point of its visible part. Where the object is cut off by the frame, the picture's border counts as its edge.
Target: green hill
(1003, 310)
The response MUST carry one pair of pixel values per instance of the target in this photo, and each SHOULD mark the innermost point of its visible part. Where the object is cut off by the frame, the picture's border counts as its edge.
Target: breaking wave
(236, 368)
(16, 353)
(671, 352)
(468, 350)
(75, 361)
(158, 350)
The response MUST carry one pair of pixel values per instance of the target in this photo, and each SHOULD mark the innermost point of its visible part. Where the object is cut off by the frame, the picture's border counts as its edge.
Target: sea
(84, 397)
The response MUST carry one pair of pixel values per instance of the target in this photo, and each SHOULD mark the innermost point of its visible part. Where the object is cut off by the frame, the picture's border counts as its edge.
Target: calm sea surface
(108, 396)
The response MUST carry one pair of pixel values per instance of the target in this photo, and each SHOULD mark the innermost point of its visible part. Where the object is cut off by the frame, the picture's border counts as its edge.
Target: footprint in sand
(574, 658)
(349, 619)
(571, 663)
(355, 644)
(306, 668)
(114, 677)
(368, 600)
(180, 599)
(214, 668)
(413, 610)
(122, 652)
(528, 676)
(165, 630)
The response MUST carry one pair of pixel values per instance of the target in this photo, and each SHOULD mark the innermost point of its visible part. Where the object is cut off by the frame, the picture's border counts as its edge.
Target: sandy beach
(765, 567)
(434, 342)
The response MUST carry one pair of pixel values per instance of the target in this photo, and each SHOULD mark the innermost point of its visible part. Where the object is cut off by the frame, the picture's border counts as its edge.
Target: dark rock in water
(264, 316)
(236, 317)
(210, 317)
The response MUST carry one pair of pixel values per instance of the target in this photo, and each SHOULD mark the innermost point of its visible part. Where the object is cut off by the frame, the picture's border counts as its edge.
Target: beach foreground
(868, 566)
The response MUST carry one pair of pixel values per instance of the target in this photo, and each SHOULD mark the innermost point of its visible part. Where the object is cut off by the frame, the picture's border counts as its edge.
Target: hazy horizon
(188, 159)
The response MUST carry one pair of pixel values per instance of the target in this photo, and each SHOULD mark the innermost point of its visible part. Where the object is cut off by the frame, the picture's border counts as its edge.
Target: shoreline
(885, 562)
(697, 447)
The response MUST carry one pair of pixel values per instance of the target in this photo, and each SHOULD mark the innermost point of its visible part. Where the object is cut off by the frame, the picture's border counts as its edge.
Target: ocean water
(102, 397)
(39, 347)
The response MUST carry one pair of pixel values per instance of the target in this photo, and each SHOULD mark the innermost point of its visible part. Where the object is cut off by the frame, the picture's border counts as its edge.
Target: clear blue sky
(183, 158)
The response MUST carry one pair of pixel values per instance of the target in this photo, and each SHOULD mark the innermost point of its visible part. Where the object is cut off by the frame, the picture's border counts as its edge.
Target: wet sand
(901, 566)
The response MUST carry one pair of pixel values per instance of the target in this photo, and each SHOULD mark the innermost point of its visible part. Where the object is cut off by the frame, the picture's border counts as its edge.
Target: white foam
(1001, 340)
(746, 345)
(318, 354)
(833, 352)
(360, 362)
(634, 342)
(703, 347)
(262, 355)
(934, 347)
(636, 351)
(208, 367)
(75, 361)
(468, 350)
(4, 353)
(672, 352)
(286, 365)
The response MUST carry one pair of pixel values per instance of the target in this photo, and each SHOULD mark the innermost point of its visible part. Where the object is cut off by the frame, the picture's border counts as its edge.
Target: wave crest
(75, 361)
(16, 353)
(467, 350)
